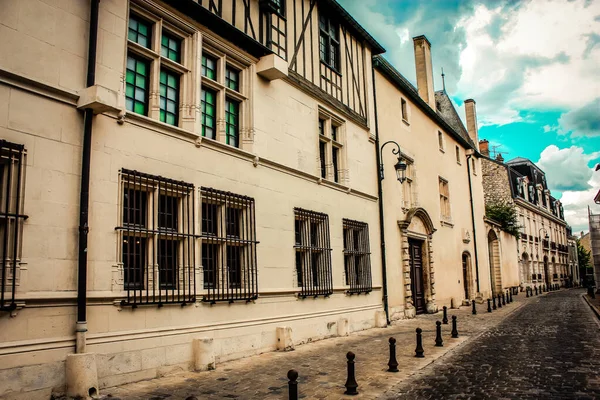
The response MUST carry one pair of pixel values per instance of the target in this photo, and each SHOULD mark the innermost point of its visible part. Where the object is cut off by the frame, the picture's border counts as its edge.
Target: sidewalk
(593, 303)
(322, 365)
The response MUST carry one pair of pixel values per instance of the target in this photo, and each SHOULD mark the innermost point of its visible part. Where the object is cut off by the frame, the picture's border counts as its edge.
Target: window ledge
(335, 71)
(150, 123)
(406, 122)
(442, 150)
(449, 224)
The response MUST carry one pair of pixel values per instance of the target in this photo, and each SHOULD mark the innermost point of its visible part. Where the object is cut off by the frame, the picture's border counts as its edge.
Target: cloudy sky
(533, 67)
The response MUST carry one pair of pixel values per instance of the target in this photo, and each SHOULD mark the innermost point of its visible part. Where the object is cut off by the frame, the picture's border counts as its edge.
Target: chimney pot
(484, 147)
(471, 112)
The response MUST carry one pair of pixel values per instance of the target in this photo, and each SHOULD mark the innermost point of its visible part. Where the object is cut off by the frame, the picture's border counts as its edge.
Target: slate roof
(446, 110)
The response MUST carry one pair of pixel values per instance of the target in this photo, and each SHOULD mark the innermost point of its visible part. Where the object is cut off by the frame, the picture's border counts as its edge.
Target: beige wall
(47, 45)
(419, 140)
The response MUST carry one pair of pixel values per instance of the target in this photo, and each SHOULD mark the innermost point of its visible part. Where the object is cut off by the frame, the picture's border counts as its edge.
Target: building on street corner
(542, 247)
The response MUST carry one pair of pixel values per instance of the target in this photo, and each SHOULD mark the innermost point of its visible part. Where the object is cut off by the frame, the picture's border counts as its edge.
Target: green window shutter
(170, 47)
(209, 112)
(139, 31)
(232, 129)
(136, 84)
(169, 97)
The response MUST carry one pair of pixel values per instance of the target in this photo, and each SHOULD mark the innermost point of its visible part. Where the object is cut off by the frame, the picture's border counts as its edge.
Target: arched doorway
(526, 268)
(417, 236)
(547, 271)
(466, 267)
(494, 255)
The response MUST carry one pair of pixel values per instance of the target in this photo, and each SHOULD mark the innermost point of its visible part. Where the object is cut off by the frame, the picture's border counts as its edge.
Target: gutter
(81, 325)
(380, 203)
(473, 222)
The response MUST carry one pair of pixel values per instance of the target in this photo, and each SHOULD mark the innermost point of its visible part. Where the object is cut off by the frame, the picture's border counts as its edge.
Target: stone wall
(496, 183)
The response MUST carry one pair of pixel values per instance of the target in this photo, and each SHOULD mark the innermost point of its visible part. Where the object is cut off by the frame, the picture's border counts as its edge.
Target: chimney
(499, 158)
(424, 69)
(484, 147)
(471, 120)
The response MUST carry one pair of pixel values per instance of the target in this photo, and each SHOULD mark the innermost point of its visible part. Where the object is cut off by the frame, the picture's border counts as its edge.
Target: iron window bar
(157, 236)
(357, 257)
(313, 253)
(229, 266)
(12, 172)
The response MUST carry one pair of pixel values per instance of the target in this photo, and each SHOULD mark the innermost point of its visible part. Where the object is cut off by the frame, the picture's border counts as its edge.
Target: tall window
(331, 157)
(222, 98)
(474, 167)
(157, 239)
(457, 155)
(12, 189)
(165, 57)
(329, 41)
(409, 187)
(313, 253)
(444, 199)
(441, 141)
(228, 246)
(357, 256)
(404, 111)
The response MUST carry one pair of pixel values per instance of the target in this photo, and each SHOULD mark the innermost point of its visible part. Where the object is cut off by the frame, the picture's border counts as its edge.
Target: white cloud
(576, 204)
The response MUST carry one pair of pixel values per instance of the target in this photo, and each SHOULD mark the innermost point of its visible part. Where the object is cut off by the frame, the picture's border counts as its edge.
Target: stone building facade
(543, 249)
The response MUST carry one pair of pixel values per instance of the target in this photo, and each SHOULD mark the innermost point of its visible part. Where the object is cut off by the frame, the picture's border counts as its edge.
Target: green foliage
(506, 216)
(584, 258)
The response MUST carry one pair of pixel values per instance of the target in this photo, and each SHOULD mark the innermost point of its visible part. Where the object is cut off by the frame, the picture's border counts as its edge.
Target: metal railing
(357, 256)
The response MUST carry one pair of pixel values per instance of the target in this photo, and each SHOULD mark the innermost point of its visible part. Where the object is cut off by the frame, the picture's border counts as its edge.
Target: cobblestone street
(549, 349)
(322, 364)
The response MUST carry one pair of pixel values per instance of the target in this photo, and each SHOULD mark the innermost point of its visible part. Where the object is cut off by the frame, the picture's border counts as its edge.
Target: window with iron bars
(157, 239)
(357, 256)
(12, 185)
(313, 253)
(228, 246)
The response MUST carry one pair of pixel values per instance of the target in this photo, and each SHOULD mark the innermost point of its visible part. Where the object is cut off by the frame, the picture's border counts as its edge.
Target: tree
(506, 215)
(585, 258)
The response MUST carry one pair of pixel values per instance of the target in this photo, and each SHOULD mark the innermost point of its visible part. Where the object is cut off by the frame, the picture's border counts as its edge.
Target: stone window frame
(327, 144)
(474, 166)
(161, 21)
(404, 110)
(441, 142)
(409, 187)
(457, 150)
(445, 208)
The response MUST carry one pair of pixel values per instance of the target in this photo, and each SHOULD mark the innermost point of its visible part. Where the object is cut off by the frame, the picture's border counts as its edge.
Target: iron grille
(357, 256)
(313, 253)
(157, 240)
(12, 178)
(228, 246)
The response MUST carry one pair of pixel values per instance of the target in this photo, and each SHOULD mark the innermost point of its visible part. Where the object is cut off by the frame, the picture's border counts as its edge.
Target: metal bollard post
(511, 299)
(536, 291)
(499, 301)
(445, 318)
(489, 305)
(474, 307)
(503, 299)
(351, 384)
(493, 302)
(454, 330)
(419, 350)
(439, 342)
(507, 298)
(293, 384)
(527, 292)
(393, 363)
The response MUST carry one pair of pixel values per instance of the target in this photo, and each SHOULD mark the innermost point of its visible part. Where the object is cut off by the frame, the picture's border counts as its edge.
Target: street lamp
(400, 166)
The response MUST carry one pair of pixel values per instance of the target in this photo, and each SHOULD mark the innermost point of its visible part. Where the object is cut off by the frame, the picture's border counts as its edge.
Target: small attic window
(437, 105)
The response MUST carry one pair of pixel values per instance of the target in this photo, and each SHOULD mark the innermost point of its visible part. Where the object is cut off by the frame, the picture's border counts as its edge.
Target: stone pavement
(548, 349)
(322, 365)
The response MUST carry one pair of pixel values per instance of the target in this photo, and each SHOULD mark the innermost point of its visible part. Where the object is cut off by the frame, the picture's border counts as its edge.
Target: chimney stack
(471, 112)
(424, 69)
(484, 147)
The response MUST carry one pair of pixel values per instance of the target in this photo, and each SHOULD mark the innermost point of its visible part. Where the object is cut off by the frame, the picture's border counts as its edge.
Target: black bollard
(393, 363)
(351, 384)
(489, 305)
(493, 303)
(511, 299)
(536, 291)
(293, 384)
(503, 299)
(527, 292)
(474, 308)
(454, 330)
(499, 301)
(439, 342)
(419, 350)
(445, 318)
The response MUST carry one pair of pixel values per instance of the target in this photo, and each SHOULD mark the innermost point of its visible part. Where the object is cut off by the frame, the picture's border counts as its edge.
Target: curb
(594, 309)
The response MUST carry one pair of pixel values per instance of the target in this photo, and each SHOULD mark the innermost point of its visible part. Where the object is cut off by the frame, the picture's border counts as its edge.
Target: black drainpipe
(85, 185)
(473, 221)
(380, 194)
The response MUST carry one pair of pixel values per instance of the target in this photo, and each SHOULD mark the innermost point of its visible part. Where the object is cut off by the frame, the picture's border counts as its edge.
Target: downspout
(473, 222)
(380, 203)
(81, 325)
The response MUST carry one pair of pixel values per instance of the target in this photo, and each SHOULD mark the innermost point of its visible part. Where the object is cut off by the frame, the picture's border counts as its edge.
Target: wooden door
(416, 275)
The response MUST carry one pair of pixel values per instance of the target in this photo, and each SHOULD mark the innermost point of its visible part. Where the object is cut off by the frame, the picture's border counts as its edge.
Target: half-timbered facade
(232, 186)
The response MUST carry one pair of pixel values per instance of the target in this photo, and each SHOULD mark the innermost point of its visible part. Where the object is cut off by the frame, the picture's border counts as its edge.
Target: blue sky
(533, 68)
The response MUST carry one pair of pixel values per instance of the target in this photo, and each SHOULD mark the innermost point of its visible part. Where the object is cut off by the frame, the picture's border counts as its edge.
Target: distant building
(543, 247)
(594, 221)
